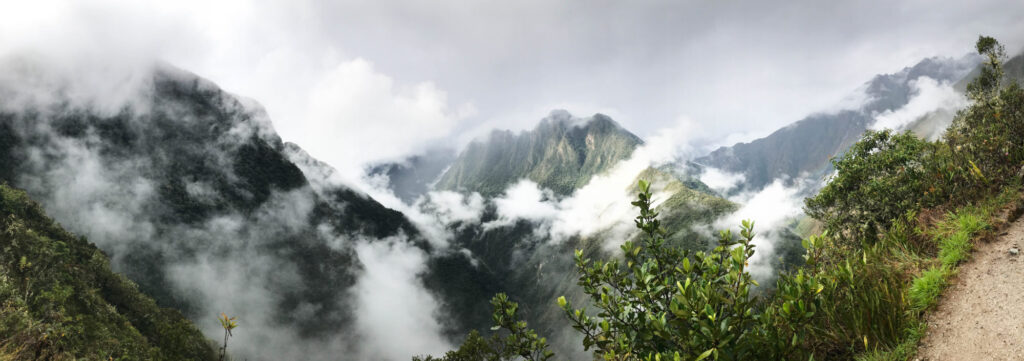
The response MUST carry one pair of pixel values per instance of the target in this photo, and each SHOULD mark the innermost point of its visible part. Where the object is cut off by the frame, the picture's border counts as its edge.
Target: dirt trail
(981, 316)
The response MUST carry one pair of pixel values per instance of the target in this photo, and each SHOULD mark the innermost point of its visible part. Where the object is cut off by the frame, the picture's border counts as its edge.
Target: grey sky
(359, 81)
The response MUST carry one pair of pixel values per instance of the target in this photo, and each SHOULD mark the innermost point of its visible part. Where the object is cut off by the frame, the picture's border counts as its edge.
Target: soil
(981, 315)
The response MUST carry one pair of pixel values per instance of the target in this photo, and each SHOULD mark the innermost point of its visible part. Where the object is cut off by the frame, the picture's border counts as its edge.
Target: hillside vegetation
(901, 214)
(59, 300)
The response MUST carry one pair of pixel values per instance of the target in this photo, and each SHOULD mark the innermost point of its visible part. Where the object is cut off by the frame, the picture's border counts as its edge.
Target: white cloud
(358, 115)
(929, 96)
(526, 200)
(451, 207)
(394, 313)
(719, 180)
(603, 204)
(771, 209)
(522, 55)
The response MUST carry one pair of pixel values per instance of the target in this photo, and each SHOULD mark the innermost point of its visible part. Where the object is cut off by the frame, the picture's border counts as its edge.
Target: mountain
(62, 301)
(1013, 69)
(804, 148)
(414, 176)
(562, 153)
(194, 197)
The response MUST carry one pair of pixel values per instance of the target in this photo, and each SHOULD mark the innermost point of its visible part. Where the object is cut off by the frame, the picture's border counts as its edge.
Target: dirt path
(981, 316)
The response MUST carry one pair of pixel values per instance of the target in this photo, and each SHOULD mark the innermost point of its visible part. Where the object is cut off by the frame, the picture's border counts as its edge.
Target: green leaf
(705, 354)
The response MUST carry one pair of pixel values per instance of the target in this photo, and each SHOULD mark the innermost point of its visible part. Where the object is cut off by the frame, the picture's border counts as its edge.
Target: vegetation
(900, 215)
(59, 299)
(228, 323)
(521, 342)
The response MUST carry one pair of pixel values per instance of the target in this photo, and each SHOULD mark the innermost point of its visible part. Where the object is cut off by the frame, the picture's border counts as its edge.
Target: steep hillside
(562, 153)
(196, 199)
(60, 299)
(805, 147)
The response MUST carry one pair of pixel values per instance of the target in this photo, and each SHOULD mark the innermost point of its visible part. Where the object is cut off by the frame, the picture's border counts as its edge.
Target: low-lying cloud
(773, 209)
(397, 315)
(932, 103)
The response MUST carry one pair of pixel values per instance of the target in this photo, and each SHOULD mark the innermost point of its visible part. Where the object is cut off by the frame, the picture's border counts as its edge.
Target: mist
(340, 87)
(238, 259)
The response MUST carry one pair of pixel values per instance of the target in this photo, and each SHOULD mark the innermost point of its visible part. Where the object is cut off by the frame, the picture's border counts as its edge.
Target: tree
(987, 138)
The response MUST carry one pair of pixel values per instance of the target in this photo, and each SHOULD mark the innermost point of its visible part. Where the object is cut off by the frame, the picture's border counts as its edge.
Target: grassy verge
(953, 237)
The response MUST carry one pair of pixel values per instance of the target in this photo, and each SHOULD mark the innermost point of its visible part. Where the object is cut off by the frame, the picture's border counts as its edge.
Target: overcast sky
(359, 81)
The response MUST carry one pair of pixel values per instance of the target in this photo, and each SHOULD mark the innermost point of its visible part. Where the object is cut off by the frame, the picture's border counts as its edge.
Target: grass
(901, 352)
(953, 236)
(925, 290)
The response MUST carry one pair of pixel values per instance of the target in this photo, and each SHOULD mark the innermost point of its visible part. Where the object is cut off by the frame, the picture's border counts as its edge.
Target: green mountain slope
(562, 153)
(60, 300)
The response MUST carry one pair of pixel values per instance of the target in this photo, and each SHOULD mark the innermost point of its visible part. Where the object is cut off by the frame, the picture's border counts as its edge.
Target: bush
(878, 180)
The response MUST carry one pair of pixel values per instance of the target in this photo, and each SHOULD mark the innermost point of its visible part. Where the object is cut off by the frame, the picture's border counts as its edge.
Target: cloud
(772, 209)
(929, 96)
(603, 204)
(508, 59)
(358, 116)
(525, 200)
(719, 180)
(395, 312)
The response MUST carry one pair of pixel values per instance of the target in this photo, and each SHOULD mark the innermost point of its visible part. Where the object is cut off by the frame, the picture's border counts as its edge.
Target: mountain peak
(561, 153)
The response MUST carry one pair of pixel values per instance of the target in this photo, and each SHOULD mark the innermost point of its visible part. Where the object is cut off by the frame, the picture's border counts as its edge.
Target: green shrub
(878, 180)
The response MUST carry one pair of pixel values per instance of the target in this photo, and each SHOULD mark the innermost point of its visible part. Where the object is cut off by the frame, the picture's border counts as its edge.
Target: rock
(1014, 251)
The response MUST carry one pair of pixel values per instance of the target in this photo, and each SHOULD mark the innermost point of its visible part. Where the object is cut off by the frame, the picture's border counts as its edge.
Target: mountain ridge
(804, 148)
(561, 153)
